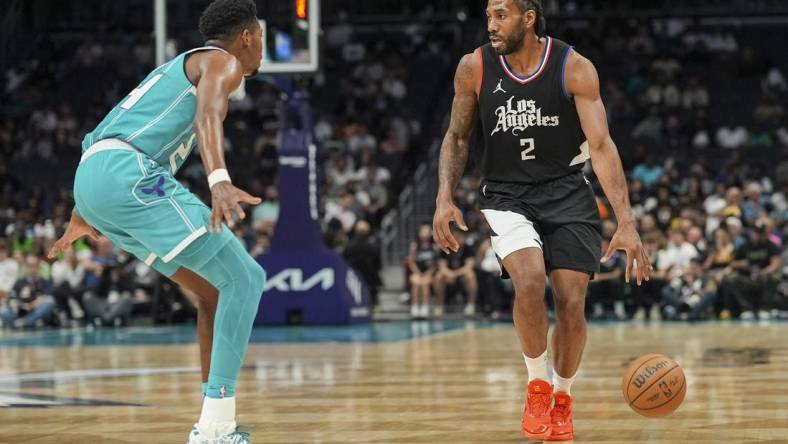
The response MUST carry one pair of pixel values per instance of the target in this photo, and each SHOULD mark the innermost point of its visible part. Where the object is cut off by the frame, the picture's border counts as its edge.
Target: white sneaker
(236, 437)
(747, 316)
(414, 311)
(764, 315)
(424, 312)
(437, 311)
(640, 314)
(470, 310)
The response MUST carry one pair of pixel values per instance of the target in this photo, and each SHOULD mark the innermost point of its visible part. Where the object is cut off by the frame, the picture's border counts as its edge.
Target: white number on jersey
(137, 94)
(183, 151)
(526, 153)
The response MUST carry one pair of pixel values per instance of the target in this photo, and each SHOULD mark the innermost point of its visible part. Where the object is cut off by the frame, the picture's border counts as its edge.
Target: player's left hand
(226, 200)
(77, 228)
(627, 239)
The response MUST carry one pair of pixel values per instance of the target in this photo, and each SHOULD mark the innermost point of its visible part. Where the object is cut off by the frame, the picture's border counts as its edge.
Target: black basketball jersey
(532, 132)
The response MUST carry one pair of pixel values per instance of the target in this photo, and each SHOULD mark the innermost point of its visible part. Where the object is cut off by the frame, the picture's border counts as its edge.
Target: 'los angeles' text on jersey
(517, 116)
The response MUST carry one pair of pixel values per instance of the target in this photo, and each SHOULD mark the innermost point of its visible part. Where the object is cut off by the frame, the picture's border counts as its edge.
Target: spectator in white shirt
(68, 276)
(713, 206)
(676, 255)
(373, 194)
(344, 210)
(9, 273)
(340, 170)
(373, 175)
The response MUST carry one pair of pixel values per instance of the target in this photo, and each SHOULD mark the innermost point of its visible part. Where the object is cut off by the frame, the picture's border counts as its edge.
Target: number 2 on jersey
(182, 151)
(527, 152)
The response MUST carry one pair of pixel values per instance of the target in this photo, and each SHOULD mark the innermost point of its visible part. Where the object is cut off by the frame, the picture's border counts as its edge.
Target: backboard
(291, 38)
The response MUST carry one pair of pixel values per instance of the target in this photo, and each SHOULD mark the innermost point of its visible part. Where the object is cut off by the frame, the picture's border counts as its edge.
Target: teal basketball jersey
(157, 117)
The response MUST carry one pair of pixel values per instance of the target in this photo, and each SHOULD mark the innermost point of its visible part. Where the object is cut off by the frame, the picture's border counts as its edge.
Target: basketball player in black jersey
(543, 118)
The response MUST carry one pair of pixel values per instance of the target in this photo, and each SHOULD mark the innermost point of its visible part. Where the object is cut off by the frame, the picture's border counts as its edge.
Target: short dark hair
(224, 19)
(535, 5)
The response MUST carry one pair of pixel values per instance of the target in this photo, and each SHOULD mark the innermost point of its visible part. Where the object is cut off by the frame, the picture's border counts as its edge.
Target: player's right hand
(445, 213)
(226, 200)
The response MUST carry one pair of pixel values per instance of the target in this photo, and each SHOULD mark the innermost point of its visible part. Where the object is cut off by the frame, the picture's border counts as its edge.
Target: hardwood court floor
(461, 386)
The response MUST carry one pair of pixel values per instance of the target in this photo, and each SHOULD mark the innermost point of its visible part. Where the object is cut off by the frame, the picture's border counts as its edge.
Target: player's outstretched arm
(219, 75)
(454, 152)
(582, 82)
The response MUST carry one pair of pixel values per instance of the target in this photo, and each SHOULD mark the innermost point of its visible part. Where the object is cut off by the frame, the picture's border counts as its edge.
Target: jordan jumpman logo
(499, 88)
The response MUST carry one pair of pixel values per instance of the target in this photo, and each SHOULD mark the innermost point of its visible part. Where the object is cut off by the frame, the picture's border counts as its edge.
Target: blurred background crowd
(696, 104)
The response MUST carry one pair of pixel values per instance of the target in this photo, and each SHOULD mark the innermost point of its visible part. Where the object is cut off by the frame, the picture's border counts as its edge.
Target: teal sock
(240, 281)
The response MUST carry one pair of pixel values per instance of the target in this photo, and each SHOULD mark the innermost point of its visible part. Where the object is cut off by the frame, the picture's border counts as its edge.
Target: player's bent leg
(569, 338)
(573, 251)
(517, 243)
(207, 298)
(526, 269)
(240, 281)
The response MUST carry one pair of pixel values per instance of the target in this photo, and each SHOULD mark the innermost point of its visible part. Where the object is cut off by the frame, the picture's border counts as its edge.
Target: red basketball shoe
(561, 418)
(536, 417)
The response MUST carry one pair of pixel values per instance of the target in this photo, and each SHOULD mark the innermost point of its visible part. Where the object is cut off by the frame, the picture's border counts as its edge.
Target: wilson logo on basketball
(643, 377)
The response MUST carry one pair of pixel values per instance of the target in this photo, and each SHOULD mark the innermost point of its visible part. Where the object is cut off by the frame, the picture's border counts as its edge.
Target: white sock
(561, 384)
(537, 367)
(217, 417)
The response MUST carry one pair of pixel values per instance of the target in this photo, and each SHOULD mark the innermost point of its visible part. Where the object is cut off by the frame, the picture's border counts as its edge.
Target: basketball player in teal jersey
(125, 188)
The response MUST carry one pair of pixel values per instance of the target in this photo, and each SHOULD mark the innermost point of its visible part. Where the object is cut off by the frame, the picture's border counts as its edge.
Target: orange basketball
(654, 385)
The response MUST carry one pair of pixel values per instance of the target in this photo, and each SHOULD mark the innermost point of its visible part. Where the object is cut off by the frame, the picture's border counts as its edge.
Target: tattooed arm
(454, 151)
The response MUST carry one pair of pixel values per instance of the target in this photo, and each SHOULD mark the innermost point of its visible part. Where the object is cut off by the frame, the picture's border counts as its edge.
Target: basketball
(654, 385)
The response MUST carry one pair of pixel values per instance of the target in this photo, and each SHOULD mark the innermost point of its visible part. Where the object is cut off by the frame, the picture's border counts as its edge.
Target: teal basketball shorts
(141, 207)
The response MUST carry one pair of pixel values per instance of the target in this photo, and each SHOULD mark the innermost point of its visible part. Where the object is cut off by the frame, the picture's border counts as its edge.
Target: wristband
(216, 176)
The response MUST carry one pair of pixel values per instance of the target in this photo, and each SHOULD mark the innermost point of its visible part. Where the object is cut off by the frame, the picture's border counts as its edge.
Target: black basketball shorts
(560, 217)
